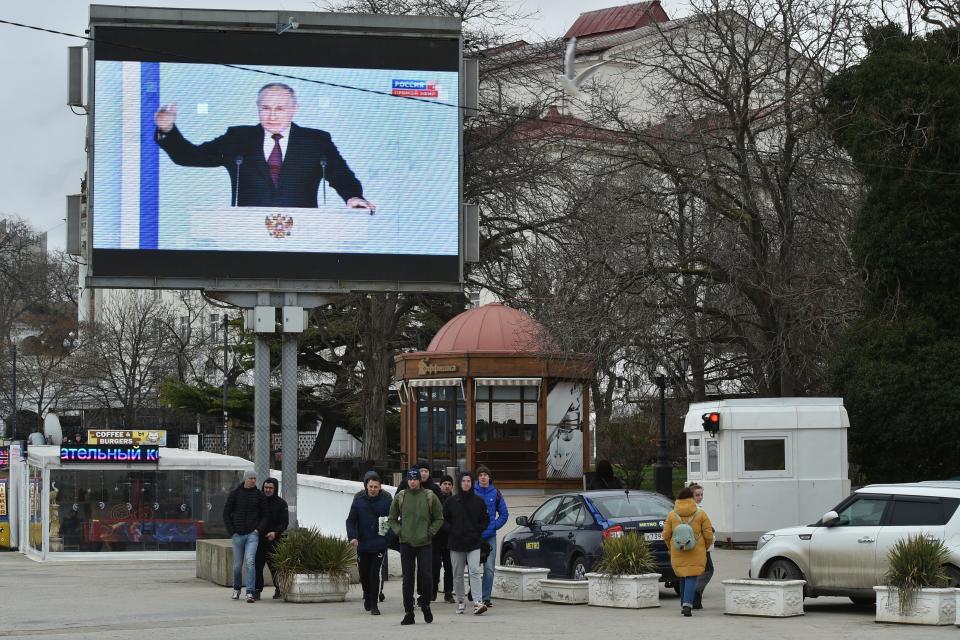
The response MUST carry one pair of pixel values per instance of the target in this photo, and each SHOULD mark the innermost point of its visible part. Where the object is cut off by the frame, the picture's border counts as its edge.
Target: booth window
(765, 455)
(693, 454)
(36, 508)
(507, 413)
(713, 456)
(440, 418)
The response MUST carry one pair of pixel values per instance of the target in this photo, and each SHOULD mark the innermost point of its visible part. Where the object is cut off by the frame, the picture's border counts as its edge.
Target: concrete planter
(624, 592)
(565, 591)
(518, 583)
(930, 606)
(957, 607)
(316, 587)
(769, 598)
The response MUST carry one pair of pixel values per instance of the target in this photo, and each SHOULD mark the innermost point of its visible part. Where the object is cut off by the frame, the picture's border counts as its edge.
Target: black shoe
(374, 611)
(449, 599)
(257, 595)
(382, 597)
(685, 610)
(408, 619)
(434, 597)
(427, 614)
(277, 594)
(698, 601)
(488, 603)
(366, 604)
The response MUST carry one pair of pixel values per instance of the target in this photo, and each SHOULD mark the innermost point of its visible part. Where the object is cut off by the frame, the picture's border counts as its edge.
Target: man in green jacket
(416, 516)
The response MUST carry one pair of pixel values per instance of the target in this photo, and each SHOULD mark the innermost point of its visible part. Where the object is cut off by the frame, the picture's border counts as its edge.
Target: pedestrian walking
(704, 579)
(441, 550)
(245, 515)
(278, 519)
(498, 514)
(688, 533)
(369, 538)
(416, 516)
(465, 518)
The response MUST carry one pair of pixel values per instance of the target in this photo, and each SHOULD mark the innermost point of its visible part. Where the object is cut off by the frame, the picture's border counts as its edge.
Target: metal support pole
(261, 408)
(662, 470)
(13, 392)
(288, 420)
(226, 432)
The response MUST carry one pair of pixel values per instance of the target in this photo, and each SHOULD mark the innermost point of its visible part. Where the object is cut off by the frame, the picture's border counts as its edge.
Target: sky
(45, 157)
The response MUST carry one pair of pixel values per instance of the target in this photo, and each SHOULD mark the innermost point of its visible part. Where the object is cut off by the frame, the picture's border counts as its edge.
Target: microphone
(236, 186)
(323, 178)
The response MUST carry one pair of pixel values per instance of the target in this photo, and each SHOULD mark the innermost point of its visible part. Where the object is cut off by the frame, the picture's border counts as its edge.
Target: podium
(282, 229)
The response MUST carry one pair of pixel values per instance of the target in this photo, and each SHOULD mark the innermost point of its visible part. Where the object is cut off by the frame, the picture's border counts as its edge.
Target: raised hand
(166, 117)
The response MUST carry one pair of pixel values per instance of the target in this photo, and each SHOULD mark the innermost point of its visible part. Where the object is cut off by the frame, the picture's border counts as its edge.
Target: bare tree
(126, 353)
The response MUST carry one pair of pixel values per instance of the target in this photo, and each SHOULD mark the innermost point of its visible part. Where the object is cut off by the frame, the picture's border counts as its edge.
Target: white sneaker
(236, 594)
(460, 607)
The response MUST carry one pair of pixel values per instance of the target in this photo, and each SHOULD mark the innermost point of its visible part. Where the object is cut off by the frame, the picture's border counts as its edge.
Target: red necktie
(275, 159)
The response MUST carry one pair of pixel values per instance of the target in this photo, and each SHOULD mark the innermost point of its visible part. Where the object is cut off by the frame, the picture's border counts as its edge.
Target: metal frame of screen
(271, 271)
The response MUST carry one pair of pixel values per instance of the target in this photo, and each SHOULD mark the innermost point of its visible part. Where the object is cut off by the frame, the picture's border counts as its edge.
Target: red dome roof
(492, 327)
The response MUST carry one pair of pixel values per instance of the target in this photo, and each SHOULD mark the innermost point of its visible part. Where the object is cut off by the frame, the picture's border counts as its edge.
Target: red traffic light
(711, 422)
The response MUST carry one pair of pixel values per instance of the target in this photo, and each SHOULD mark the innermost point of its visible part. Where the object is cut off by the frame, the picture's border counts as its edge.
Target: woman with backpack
(689, 533)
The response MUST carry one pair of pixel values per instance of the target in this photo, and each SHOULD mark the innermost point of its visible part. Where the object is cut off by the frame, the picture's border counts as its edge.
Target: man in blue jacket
(363, 530)
(497, 509)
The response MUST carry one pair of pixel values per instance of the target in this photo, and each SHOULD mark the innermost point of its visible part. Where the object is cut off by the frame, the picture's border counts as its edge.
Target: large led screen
(326, 161)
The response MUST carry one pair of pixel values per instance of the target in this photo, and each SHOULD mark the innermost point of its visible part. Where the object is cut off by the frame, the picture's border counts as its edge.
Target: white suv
(845, 553)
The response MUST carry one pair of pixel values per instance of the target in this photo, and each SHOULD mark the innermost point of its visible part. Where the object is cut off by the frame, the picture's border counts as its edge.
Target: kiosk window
(765, 455)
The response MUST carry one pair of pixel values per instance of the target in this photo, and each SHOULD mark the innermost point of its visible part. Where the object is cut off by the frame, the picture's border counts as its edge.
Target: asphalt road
(147, 600)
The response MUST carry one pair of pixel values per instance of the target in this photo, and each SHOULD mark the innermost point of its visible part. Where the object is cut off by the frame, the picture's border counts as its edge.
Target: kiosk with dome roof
(492, 389)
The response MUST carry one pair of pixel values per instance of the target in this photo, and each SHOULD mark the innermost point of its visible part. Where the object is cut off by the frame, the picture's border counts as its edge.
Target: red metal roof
(613, 19)
(492, 327)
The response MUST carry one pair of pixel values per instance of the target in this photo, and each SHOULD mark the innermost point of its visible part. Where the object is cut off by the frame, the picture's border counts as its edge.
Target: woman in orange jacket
(688, 554)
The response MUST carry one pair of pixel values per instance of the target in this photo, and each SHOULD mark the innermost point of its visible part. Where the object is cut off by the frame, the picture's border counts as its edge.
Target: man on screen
(274, 164)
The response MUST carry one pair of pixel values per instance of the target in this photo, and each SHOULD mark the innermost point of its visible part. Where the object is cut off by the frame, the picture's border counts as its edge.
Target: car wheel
(508, 559)
(782, 569)
(864, 601)
(953, 574)
(578, 569)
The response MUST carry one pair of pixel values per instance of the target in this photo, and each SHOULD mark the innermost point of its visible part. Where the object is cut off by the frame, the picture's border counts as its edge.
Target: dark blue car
(565, 534)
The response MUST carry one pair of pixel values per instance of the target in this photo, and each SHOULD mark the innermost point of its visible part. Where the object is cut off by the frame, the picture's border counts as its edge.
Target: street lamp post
(226, 432)
(13, 391)
(662, 470)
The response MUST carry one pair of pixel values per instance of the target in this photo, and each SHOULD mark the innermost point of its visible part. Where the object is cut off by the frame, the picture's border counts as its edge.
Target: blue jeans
(688, 589)
(488, 568)
(245, 551)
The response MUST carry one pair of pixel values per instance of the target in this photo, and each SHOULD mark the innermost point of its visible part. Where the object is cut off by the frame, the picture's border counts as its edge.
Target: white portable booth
(775, 462)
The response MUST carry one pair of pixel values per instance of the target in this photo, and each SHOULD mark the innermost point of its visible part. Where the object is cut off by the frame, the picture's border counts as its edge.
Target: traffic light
(711, 422)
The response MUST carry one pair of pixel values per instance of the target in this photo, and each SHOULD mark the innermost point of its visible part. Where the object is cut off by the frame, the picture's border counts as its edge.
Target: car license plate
(533, 545)
(657, 535)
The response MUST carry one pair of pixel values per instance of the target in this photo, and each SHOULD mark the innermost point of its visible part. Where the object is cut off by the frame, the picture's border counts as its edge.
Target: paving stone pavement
(146, 600)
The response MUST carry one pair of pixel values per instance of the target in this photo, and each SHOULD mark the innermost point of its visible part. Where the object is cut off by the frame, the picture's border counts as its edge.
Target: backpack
(683, 538)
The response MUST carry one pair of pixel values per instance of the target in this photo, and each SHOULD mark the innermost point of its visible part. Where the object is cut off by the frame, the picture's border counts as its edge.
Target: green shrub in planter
(626, 555)
(916, 562)
(309, 551)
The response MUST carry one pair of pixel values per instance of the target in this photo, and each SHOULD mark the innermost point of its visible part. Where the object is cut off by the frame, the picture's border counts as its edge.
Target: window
(694, 466)
(544, 515)
(713, 456)
(765, 455)
(185, 327)
(919, 511)
(507, 413)
(632, 506)
(215, 324)
(693, 447)
(864, 511)
(570, 513)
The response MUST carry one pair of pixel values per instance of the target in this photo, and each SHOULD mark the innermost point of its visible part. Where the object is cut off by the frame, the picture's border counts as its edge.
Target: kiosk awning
(508, 382)
(435, 382)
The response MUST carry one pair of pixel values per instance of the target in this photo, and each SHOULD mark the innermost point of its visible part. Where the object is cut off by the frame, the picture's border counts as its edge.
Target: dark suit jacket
(310, 155)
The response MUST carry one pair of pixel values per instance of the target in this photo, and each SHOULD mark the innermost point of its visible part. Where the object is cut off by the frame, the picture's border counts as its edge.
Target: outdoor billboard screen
(248, 155)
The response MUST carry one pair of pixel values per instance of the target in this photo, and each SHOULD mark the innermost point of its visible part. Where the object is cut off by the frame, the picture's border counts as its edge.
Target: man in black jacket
(245, 516)
(274, 164)
(441, 552)
(364, 533)
(278, 519)
(465, 517)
